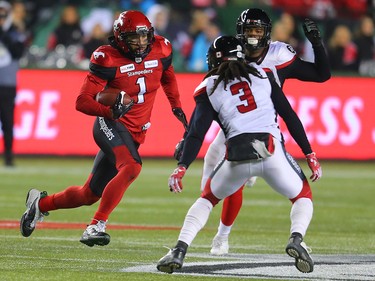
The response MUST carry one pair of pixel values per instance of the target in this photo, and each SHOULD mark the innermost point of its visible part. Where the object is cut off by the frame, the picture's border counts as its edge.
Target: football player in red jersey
(135, 61)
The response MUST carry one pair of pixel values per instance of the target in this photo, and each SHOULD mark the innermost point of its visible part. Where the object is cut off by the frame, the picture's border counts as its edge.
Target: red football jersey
(108, 66)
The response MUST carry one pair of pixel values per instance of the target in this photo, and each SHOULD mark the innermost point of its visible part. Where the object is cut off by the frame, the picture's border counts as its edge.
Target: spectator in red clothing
(208, 3)
(295, 7)
(351, 9)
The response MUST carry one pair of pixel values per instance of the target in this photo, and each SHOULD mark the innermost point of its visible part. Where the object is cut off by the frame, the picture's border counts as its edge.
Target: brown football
(108, 96)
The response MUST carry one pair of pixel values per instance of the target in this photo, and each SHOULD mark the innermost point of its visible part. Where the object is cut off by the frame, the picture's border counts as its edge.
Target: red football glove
(174, 181)
(314, 166)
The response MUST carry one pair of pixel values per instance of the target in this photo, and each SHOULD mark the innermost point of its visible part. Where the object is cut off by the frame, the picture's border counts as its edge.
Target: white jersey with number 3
(248, 108)
(244, 108)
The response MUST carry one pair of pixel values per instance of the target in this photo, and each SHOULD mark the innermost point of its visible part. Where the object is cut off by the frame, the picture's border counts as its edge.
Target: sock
(231, 207)
(115, 190)
(71, 197)
(296, 234)
(223, 230)
(301, 215)
(195, 220)
(95, 221)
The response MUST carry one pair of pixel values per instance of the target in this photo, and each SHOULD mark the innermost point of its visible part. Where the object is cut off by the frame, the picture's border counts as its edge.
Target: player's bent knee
(130, 171)
(89, 196)
(305, 192)
(208, 195)
(135, 170)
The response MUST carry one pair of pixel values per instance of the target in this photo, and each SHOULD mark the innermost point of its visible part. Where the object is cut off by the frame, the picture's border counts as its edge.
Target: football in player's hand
(108, 96)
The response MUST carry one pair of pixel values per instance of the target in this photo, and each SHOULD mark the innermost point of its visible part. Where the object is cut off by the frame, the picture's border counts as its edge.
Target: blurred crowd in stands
(63, 34)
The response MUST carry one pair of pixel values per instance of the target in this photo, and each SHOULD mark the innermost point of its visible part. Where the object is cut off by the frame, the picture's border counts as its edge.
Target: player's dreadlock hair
(230, 70)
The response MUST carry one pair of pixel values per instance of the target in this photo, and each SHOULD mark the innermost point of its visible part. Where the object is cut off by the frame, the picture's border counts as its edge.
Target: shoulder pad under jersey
(104, 56)
(163, 45)
(201, 88)
(281, 53)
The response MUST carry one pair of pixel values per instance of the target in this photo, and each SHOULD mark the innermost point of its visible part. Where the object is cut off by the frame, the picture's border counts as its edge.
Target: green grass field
(343, 222)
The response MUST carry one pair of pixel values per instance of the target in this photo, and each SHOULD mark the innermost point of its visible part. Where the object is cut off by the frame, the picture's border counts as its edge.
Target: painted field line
(10, 224)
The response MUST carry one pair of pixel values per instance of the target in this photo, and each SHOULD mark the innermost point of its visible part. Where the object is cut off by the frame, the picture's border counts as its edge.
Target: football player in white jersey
(254, 30)
(245, 103)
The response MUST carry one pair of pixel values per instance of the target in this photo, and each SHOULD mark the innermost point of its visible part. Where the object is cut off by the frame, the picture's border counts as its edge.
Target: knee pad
(208, 195)
(305, 192)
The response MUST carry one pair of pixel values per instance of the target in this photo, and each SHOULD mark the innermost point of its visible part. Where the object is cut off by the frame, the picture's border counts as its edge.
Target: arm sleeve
(290, 117)
(200, 122)
(169, 84)
(86, 102)
(322, 63)
(319, 71)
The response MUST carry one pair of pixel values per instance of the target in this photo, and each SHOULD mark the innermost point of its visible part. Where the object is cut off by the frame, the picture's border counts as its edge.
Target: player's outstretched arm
(312, 32)
(320, 72)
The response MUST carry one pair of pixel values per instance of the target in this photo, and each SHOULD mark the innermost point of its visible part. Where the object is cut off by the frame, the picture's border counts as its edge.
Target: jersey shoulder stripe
(201, 89)
(285, 64)
(279, 55)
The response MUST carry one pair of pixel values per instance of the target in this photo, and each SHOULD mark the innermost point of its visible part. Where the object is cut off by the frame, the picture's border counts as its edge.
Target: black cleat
(171, 261)
(297, 249)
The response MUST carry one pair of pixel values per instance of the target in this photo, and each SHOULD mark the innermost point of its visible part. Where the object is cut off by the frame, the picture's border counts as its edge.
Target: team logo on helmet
(118, 22)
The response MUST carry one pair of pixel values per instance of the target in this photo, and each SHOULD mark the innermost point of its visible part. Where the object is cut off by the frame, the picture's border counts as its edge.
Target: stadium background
(338, 115)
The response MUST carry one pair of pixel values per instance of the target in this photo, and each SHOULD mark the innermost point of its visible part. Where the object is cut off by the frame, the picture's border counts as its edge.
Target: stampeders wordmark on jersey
(107, 131)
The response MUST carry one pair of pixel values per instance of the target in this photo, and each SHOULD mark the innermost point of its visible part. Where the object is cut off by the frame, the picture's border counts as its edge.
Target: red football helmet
(128, 30)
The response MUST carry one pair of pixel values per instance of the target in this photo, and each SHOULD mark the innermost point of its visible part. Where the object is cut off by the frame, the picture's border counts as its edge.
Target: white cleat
(95, 235)
(220, 246)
